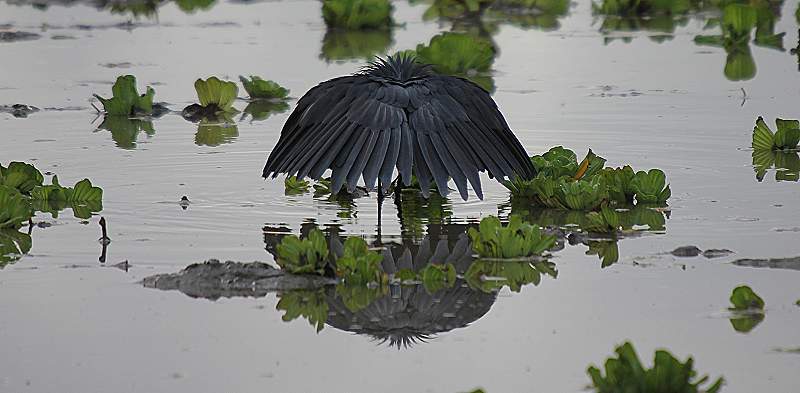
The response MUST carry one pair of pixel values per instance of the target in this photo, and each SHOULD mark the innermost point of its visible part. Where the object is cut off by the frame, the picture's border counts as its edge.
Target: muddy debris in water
(18, 110)
(686, 251)
(214, 279)
(185, 202)
(792, 263)
(717, 253)
(13, 36)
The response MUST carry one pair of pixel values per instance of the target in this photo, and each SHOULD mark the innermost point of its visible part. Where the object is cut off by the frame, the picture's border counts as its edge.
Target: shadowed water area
(638, 91)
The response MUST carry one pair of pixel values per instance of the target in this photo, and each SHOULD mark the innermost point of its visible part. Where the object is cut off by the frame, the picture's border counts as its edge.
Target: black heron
(398, 113)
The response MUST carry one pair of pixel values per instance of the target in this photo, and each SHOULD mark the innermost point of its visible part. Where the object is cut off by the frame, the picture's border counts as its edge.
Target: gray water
(70, 324)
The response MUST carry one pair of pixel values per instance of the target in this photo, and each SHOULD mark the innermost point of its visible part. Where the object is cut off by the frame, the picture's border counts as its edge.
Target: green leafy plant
(13, 244)
(359, 297)
(606, 220)
(606, 250)
(651, 186)
(786, 137)
(358, 265)
(457, 53)
(743, 298)
(263, 89)
(491, 276)
(15, 209)
(83, 198)
(357, 14)
(516, 240)
(294, 186)
(215, 133)
(641, 7)
(125, 131)
(306, 256)
(309, 304)
(22, 176)
(215, 93)
(190, 6)
(625, 373)
(260, 110)
(126, 101)
(748, 309)
(438, 276)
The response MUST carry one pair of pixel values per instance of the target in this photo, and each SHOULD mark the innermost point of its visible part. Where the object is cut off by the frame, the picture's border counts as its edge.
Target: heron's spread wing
(352, 125)
(458, 132)
(443, 127)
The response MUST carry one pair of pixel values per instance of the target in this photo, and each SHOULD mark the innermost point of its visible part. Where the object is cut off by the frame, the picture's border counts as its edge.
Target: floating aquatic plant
(216, 99)
(748, 309)
(457, 53)
(309, 304)
(21, 176)
(359, 266)
(190, 6)
(626, 373)
(786, 137)
(491, 276)
(518, 239)
(83, 198)
(564, 183)
(651, 186)
(263, 89)
(13, 244)
(215, 133)
(15, 209)
(294, 186)
(435, 277)
(641, 7)
(306, 256)
(125, 131)
(126, 101)
(357, 14)
(606, 220)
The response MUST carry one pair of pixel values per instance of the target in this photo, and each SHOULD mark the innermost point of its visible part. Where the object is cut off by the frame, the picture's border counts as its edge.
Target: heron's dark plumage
(397, 113)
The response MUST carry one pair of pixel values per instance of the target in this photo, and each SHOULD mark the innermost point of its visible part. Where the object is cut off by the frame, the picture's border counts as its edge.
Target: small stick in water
(104, 239)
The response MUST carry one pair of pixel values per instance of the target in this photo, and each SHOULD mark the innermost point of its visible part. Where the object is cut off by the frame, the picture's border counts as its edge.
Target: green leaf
(14, 208)
(457, 54)
(436, 277)
(739, 19)
(739, 64)
(788, 134)
(743, 298)
(214, 134)
(13, 244)
(762, 135)
(214, 91)
(306, 256)
(357, 14)
(22, 176)
(309, 304)
(359, 266)
(126, 101)
(294, 186)
(651, 187)
(260, 88)
(518, 239)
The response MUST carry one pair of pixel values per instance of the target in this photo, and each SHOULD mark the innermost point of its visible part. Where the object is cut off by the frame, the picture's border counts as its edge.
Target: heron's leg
(380, 203)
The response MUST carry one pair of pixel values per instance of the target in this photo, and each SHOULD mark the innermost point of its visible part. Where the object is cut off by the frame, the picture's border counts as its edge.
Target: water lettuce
(15, 209)
(606, 250)
(214, 133)
(641, 7)
(294, 186)
(263, 89)
(126, 101)
(357, 14)
(125, 131)
(438, 276)
(306, 256)
(626, 373)
(786, 137)
(743, 298)
(358, 265)
(216, 94)
(309, 304)
(606, 220)
(651, 186)
(518, 239)
(457, 53)
(20, 175)
(13, 244)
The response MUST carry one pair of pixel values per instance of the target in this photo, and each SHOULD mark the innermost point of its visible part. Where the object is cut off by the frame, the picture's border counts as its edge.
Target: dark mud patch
(792, 263)
(214, 279)
(14, 36)
(18, 110)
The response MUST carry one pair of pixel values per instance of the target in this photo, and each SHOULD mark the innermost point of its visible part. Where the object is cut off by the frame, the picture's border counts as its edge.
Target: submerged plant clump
(126, 101)
(359, 265)
(357, 14)
(563, 183)
(626, 373)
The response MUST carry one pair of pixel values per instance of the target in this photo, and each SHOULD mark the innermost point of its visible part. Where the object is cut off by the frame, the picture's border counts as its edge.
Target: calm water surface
(72, 325)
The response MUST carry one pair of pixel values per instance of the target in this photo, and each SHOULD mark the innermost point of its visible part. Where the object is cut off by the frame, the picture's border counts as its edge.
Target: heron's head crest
(400, 67)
